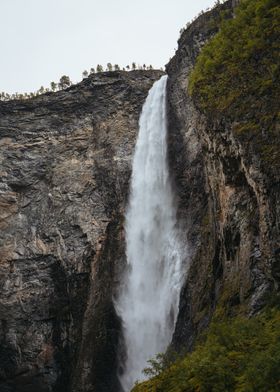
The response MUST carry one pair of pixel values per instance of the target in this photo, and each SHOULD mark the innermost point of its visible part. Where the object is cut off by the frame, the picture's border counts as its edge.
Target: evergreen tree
(53, 86)
(128, 67)
(64, 82)
(85, 74)
(116, 67)
(99, 68)
(133, 66)
(109, 67)
(92, 71)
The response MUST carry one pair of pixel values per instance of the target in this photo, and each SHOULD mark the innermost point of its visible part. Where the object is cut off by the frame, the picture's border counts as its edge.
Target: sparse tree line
(65, 82)
(110, 67)
(216, 4)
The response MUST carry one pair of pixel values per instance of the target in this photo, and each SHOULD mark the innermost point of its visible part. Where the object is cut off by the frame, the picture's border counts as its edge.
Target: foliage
(65, 81)
(109, 67)
(99, 68)
(53, 86)
(241, 355)
(237, 75)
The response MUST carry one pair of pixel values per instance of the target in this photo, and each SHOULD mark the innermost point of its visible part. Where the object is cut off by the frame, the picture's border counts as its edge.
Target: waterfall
(148, 303)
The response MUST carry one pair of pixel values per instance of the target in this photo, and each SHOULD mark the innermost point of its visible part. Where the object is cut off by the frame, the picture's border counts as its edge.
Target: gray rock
(228, 202)
(65, 167)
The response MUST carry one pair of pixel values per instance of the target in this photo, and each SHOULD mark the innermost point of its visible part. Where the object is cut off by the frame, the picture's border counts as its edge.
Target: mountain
(65, 173)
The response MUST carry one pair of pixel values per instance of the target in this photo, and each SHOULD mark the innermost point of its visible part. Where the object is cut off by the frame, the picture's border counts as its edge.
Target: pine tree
(99, 68)
(134, 66)
(64, 82)
(53, 86)
(109, 67)
(85, 74)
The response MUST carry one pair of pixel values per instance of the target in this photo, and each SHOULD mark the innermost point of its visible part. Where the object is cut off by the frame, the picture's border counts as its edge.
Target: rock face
(229, 203)
(65, 168)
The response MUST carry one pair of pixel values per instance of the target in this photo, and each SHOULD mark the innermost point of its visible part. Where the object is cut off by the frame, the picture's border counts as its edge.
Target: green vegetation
(85, 74)
(65, 81)
(237, 75)
(238, 354)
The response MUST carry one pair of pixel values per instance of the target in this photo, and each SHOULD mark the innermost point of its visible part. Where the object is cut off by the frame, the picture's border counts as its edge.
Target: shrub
(238, 355)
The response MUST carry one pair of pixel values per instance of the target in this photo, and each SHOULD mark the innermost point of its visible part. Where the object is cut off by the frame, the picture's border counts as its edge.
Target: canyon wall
(228, 198)
(65, 169)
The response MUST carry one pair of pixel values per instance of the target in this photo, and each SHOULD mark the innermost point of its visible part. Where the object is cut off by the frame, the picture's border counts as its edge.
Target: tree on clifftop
(64, 82)
(53, 86)
(85, 74)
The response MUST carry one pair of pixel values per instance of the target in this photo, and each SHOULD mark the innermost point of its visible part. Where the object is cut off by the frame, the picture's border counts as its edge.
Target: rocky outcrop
(229, 203)
(65, 168)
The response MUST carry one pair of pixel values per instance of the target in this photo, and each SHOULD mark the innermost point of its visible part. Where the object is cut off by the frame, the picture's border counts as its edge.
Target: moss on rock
(237, 75)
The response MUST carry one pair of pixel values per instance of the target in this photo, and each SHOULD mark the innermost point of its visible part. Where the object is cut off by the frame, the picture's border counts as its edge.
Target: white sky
(43, 39)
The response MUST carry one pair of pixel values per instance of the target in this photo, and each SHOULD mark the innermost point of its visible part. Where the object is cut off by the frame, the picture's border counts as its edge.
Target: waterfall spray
(148, 303)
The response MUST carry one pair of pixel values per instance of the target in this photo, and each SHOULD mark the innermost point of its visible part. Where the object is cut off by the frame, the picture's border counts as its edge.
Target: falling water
(148, 304)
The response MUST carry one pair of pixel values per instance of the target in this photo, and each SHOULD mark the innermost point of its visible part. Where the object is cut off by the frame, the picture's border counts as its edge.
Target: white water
(148, 304)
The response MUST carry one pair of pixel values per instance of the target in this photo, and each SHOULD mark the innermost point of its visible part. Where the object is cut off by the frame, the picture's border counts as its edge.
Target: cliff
(228, 189)
(65, 168)
(223, 106)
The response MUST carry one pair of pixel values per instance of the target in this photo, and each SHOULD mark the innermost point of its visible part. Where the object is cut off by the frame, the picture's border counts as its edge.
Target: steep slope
(229, 190)
(224, 150)
(65, 168)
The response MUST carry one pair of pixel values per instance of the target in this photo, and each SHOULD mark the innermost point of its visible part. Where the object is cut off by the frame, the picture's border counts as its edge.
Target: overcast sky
(44, 39)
